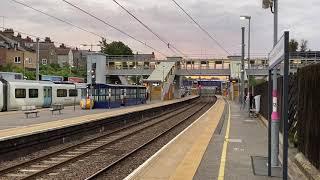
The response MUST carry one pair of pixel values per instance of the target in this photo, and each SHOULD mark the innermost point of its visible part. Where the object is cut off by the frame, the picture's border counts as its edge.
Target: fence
(303, 115)
(309, 113)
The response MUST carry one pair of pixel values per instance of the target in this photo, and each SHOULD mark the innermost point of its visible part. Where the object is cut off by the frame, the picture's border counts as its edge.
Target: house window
(29, 60)
(44, 61)
(17, 60)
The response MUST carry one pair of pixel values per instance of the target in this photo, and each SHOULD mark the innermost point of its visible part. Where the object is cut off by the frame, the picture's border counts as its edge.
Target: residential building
(47, 52)
(79, 58)
(13, 51)
(65, 55)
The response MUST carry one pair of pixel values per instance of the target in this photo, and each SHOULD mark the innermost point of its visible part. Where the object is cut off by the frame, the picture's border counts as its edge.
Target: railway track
(100, 174)
(42, 167)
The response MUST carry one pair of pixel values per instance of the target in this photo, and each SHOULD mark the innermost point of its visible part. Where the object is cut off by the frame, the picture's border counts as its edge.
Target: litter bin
(257, 102)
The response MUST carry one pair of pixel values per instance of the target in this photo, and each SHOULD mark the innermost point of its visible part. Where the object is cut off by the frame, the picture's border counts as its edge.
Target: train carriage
(42, 94)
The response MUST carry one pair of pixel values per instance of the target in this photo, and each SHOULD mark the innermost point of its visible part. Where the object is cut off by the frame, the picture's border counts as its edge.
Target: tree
(30, 75)
(303, 45)
(293, 45)
(115, 48)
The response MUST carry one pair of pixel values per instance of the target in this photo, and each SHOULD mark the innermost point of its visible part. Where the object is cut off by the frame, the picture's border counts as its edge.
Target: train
(17, 93)
(42, 94)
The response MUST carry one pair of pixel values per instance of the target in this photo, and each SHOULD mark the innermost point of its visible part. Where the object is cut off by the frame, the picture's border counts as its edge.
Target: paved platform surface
(245, 139)
(211, 150)
(15, 124)
(180, 159)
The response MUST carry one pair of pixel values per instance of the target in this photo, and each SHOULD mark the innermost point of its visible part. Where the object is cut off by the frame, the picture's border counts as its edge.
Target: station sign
(76, 79)
(277, 53)
(51, 78)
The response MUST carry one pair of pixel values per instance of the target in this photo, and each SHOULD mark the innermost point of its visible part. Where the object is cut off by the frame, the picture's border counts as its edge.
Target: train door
(5, 95)
(47, 96)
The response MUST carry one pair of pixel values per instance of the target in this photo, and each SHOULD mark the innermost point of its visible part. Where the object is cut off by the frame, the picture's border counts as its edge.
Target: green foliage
(31, 75)
(50, 69)
(303, 45)
(65, 70)
(115, 48)
(255, 82)
(293, 45)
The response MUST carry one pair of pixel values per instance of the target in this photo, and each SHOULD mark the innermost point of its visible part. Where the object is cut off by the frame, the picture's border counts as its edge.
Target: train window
(83, 92)
(73, 93)
(33, 93)
(20, 93)
(62, 93)
(102, 92)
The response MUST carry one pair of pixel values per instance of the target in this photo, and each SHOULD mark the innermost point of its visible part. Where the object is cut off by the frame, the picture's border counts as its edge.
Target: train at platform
(43, 94)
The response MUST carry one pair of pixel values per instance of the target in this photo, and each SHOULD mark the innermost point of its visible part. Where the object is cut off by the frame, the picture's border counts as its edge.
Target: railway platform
(14, 124)
(221, 144)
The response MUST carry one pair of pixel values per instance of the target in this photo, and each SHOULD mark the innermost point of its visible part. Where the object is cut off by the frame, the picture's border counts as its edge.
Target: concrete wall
(100, 72)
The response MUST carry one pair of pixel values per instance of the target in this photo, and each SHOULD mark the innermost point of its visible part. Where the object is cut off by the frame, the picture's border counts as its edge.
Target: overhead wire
(114, 27)
(201, 28)
(149, 29)
(59, 19)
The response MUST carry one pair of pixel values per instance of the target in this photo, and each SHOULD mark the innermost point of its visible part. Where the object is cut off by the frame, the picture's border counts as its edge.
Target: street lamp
(248, 18)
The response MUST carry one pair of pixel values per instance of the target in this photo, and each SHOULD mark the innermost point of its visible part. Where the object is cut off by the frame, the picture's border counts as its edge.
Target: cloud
(220, 18)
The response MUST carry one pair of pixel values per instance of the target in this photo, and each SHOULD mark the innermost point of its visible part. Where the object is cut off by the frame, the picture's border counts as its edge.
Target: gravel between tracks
(125, 167)
(81, 168)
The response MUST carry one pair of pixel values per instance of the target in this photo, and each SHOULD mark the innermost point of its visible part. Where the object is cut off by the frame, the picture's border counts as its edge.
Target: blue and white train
(17, 93)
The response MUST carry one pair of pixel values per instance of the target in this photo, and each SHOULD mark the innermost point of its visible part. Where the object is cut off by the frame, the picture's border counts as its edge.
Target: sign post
(280, 53)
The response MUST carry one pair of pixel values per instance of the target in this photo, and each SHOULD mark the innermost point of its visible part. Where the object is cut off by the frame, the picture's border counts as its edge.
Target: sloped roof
(10, 42)
(63, 51)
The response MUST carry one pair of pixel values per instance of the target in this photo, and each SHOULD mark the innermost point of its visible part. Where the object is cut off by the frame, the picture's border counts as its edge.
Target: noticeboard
(276, 55)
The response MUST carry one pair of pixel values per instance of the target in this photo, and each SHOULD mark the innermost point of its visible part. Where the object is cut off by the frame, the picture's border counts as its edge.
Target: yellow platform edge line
(224, 150)
(189, 165)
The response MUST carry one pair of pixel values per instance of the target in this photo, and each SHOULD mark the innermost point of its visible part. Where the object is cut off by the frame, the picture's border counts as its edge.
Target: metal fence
(309, 113)
(303, 113)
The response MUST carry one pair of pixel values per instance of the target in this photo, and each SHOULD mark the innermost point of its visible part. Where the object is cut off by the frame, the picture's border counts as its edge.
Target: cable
(205, 31)
(108, 24)
(59, 19)
(149, 29)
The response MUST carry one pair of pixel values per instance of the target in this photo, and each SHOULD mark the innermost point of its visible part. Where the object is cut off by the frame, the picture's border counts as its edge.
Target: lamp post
(37, 60)
(242, 68)
(249, 29)
(275, 119)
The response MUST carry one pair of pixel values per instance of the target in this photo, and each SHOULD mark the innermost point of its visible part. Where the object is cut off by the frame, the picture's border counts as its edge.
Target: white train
(17, 93)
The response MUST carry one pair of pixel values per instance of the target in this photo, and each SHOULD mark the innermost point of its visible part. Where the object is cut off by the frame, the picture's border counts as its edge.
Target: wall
(100, 71)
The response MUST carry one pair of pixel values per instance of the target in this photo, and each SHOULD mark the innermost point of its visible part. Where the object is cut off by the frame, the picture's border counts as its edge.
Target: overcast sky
(219, 17)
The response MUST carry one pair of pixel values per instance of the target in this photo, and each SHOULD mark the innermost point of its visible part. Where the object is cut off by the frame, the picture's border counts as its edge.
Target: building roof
(7, 42)
(46, 46)
(63, 51)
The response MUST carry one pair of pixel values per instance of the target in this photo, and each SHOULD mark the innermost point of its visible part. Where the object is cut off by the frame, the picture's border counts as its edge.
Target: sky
(219, 17)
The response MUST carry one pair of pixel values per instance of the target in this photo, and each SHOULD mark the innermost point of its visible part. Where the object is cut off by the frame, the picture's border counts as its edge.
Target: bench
(56, 107)
(29, 110)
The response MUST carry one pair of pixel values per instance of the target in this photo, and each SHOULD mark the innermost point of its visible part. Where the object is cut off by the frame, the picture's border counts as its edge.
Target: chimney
(28, 39)
(62, 45)
(19, 36)
(47, 40)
